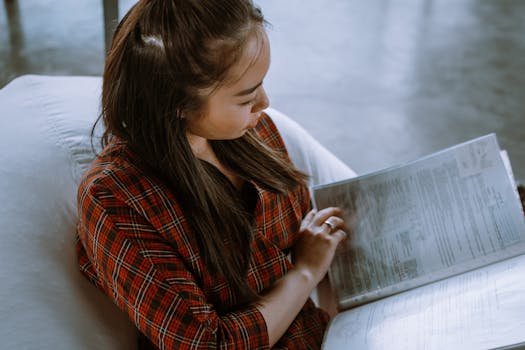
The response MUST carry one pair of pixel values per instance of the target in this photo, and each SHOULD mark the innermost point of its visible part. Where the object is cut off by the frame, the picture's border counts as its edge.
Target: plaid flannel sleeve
(146, 279)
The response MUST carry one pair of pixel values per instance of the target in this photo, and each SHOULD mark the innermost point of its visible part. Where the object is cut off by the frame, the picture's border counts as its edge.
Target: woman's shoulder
(118, 183)
(121, 173)
(111, 164)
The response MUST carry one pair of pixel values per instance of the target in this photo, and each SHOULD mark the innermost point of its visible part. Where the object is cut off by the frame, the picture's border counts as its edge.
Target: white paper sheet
(481, 309)
(442, 215)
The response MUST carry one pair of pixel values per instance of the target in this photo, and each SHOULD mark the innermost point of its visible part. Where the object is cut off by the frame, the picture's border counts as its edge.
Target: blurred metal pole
(110, 20)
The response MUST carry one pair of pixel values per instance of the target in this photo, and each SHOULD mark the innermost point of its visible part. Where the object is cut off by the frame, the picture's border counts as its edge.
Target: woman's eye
(248, 102)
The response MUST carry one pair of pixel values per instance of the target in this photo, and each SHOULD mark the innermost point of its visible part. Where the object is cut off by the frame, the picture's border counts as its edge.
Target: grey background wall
(378, 82)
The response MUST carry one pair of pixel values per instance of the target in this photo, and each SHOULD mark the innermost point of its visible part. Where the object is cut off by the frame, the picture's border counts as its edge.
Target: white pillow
(307, 154)
(45, 303)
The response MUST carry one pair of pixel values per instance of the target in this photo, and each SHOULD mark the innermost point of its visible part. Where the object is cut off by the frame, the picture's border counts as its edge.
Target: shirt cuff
(246, 326)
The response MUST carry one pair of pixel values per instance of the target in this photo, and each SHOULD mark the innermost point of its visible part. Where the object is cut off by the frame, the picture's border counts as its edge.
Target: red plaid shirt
(136, 246)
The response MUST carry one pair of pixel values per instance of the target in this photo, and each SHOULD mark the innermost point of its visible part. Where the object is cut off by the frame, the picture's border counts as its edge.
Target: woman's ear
(190, 115)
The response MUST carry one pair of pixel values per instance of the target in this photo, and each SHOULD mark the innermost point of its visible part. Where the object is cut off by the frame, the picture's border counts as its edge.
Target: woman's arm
(147, 279)
(312, 255)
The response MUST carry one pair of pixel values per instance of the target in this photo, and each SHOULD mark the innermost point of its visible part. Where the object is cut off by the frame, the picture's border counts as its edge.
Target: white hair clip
(153, 40)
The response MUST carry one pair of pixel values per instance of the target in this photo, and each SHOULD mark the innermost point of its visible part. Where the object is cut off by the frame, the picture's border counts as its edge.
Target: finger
(310, 215)
(325, 213)
(308, 219)
(339, 235)
(334, 223)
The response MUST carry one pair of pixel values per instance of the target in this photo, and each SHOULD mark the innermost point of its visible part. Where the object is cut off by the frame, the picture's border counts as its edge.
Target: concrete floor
(378, 82)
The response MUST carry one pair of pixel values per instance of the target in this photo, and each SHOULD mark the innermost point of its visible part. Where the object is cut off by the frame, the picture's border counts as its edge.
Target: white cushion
(45, 303)
(45, 125)
(307, 153)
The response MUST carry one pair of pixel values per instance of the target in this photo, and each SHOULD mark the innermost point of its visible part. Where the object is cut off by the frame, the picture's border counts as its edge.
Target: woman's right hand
(312, 254)
(314, 251)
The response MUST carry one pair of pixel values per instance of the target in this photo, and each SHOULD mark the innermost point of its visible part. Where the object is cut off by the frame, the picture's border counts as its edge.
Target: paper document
(439, 216)
(481, 309)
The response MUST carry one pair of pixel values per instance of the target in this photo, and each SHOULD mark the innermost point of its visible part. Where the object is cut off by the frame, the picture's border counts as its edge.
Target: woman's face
(234, 108)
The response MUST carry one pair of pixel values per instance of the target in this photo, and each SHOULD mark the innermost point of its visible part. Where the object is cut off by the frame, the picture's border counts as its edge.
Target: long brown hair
(163, 54)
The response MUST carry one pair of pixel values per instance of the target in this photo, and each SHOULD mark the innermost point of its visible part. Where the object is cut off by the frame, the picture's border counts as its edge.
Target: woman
(188, 214)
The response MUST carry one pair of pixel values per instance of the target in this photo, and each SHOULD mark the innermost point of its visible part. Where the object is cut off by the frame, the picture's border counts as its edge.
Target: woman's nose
(262, 100)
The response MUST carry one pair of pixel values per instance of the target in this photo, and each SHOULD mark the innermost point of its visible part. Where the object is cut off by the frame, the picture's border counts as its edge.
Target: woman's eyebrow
(248, 91)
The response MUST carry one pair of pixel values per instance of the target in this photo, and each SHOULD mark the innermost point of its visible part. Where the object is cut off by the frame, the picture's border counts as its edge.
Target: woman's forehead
(254, 60)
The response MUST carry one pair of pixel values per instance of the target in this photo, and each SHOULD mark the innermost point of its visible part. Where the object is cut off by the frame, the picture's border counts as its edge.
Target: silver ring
(330, 224)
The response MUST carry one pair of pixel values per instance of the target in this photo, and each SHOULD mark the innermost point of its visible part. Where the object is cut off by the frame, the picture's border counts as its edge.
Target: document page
(441, 215)
(481, 309)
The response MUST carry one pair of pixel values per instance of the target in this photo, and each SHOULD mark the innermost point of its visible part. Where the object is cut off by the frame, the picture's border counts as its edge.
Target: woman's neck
(199, 145)
(202, 149)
